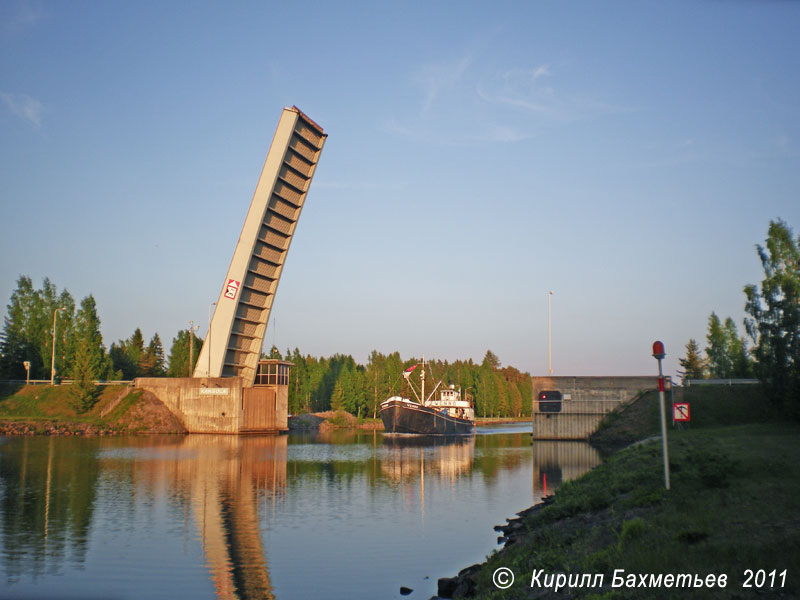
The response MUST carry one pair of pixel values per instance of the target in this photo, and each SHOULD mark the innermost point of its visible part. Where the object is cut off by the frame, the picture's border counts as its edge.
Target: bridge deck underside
(269, 252)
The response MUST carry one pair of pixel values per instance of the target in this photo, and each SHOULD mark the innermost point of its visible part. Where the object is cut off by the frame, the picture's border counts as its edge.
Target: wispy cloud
(458, 136)
(16, 16)
(440, 77)
(533, 90)
(468, 100)
(25, 107)
(784, 144)
(526, 89)
(504, 133)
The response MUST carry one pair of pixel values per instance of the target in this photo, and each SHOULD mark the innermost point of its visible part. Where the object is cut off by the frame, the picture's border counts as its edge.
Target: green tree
(337, 397)
(65, 333)
(28, 330)
(491, 359)
(774, 317)
(45, 303)
(726, 352)
(719, 364)
(178, 361)
(121, 361)
(693, 364)
(274, 353)
(134, 348)
(16, 342)
(90, 361)
(152, 363)
(737, 351)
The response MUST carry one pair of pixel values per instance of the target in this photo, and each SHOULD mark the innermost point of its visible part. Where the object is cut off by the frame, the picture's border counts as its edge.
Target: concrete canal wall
(222, 404)
(204, 405)
(585, 401)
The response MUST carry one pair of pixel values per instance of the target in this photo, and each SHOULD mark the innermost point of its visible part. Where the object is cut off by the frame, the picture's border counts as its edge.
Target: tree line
(319, 384)
(316, 383)
(772, 325)
(35, 318)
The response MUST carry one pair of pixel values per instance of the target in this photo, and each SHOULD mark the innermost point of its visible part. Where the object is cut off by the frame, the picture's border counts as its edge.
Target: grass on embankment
(52, 403)
(711, 406)
(733, 505)
(51, 409)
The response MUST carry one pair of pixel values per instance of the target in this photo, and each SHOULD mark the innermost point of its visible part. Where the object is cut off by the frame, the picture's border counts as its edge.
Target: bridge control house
(225, 404)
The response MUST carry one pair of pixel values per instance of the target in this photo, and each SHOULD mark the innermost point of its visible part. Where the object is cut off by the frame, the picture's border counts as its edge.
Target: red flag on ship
(408, 371)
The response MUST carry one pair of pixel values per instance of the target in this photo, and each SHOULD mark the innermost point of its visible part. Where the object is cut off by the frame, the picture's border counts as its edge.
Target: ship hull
(408, 417)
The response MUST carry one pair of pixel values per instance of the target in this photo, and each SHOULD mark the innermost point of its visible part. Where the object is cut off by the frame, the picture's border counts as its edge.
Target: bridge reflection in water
(224, 477)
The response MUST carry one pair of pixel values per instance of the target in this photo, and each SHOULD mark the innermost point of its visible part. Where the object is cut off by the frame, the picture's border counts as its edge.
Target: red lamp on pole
(659, 353)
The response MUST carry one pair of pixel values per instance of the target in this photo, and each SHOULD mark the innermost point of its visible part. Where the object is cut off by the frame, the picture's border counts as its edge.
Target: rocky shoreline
(329, 420)
(10, 428)
(464, 585)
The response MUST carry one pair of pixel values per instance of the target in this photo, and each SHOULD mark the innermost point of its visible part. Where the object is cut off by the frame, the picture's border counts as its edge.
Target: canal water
(338, 515)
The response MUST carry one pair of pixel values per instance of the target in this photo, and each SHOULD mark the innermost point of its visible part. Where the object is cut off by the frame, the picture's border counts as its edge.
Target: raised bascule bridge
(232, 389)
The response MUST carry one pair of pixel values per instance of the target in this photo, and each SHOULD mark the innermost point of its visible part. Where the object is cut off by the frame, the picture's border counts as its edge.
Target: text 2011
(760, 578)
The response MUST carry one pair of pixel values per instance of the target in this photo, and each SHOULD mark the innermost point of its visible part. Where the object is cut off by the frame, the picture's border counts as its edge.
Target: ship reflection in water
(413, 456)
(346, 514)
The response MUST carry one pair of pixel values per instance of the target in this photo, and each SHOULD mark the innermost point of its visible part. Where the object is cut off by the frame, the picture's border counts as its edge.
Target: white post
(549, 337)
(192, 329)
(659, 354)
(208, 339)
(422, 376)
(53, 358)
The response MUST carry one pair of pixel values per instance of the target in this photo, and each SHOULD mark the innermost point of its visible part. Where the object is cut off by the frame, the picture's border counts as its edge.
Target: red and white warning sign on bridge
(231, 288)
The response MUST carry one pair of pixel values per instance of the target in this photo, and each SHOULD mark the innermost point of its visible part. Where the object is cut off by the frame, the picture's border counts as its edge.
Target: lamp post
(549, 338)
(192, 329)
(208, 339)
(53, 358)
(659, 354)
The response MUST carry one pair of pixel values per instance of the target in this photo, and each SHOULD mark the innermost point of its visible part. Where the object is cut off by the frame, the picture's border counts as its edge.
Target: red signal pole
(659, 354)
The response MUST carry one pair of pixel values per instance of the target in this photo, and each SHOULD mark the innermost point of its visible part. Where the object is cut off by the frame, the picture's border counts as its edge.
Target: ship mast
(422, 377)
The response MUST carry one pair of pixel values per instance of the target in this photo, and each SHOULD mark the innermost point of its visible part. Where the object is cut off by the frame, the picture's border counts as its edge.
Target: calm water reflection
(350, 514)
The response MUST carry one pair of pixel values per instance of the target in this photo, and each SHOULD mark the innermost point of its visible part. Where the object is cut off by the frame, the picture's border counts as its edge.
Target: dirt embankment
(147, 414)
(326, 421)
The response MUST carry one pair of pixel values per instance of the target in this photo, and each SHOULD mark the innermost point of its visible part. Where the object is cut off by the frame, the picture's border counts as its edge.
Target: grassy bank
(733, 505)
(711, 406)
(43, 409)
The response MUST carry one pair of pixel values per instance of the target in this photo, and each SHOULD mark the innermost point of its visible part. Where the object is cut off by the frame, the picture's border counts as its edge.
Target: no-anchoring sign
(680, 411)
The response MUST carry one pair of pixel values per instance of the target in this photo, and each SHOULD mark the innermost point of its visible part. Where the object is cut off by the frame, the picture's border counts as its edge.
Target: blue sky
(626, 155)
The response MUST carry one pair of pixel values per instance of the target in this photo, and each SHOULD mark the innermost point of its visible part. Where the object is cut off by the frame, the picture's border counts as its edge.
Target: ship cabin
(450, 401)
